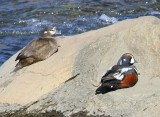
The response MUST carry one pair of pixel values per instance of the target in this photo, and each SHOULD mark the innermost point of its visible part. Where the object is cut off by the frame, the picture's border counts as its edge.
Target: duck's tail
(103, 89)
(17, 67)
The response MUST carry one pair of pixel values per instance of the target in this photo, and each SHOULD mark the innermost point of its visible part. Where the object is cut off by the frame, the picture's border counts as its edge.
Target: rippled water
(23, 20)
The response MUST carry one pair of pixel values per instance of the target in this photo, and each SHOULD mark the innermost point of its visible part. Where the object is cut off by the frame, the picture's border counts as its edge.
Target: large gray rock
(76, 97)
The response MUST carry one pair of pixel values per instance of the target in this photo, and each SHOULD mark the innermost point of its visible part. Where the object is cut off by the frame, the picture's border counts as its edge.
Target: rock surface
(64, 84)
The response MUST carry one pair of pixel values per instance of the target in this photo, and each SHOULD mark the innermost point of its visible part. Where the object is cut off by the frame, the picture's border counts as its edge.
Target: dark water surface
(23, 20)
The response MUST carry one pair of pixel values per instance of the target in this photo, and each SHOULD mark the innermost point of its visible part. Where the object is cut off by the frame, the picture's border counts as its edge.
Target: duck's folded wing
(30, 49)
(110, 75)
(24, 54)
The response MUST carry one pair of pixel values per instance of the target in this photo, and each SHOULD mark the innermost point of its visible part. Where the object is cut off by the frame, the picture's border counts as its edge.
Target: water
(23, 20)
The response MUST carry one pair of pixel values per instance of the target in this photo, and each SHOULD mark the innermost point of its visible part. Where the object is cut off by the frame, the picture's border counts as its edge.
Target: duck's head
(126, 59)
(50, 31)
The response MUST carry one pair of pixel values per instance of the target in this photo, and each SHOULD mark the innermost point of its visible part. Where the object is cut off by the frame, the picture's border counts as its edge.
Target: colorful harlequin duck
(122, 75)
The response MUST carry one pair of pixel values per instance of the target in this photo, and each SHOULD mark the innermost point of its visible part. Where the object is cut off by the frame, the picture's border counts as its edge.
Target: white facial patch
(45, 32)
(120, 63)
(132, 60)
(52, 31)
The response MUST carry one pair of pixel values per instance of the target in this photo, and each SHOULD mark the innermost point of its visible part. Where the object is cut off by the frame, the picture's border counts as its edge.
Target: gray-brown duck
(38, 49)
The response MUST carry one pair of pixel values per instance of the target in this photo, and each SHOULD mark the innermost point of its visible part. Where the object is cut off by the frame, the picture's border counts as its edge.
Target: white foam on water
(154, 13)
(108, 19)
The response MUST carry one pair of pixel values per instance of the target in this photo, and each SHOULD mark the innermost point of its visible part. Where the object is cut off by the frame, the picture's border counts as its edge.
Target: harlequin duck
(122, 75)
(38, 49)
